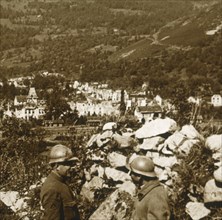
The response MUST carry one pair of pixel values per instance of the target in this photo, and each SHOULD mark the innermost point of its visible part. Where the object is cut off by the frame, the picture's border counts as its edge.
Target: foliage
(182, 108)
(193, 173)
(64, 45)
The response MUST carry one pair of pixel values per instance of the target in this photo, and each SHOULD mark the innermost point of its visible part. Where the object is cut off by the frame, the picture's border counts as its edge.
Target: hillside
(122, 42)
(182, 34)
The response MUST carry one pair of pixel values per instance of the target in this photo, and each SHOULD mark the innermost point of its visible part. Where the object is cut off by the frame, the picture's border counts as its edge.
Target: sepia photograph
(110, 109)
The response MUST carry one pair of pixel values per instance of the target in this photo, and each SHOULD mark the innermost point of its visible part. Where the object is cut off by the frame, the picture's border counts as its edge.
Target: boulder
(197, 210)
(164, 162)
(109, 126)
(175, 140)
(164, 149)
(95, 170)
(185, 148)
(89, 188)
(123, 141)
(156, 127)
(214, 143)
(151, 143)
(212, 192)
(218, 175)
(13, 200)
(116, 175)
(116, 159)
(158, 170)
(152, 154)
(92, 140)
(217, 156)
(104, 138)
(191, 133)
(163, 176)
(118, 205)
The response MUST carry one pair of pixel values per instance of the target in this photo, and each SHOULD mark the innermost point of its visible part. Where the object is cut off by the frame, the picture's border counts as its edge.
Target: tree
(179, 100)
(122, 106)
(57, 106)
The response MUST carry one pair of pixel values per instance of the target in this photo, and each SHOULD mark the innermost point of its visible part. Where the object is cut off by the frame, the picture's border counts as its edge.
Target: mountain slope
(183, 33)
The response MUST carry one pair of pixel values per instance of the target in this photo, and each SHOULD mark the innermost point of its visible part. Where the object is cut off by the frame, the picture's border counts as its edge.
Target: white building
(216, 100)
(28, 112)
(27, 107)
(91, 108)
(148, 112)
(159, 100)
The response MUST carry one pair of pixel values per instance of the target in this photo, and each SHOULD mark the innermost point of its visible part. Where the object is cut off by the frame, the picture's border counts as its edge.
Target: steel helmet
(61, 153)
(143, 165)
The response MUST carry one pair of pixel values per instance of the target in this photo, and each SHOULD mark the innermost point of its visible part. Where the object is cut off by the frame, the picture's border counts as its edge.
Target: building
(148, 112)
(95, 108)
(216, 100)
(27, 107)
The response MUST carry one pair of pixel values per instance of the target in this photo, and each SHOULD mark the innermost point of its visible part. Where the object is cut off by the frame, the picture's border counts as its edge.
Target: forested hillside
(122, 42)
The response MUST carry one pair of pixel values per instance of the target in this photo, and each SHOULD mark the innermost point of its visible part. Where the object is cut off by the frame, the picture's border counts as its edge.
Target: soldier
(151, 202)
(57, 199)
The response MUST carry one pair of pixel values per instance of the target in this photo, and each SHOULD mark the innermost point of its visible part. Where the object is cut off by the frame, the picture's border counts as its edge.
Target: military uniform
(57, 199)
(152, 202)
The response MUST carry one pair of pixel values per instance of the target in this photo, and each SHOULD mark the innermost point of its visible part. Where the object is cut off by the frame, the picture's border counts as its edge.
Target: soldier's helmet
(60, 153)
(143, 165)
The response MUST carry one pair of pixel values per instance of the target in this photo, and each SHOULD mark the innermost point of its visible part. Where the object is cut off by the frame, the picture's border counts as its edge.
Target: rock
(156, 127)
(169, 183)
(218, 175)
(123, 141)
(197, 210)
(175, 140)
(116, 160)
(165, 161)
(158, 170)
(129, 187)
(214, 143)
(163, 176)
(92, 140)
(15, 202)
(109, 126)
(152, 154)
(185, 148)
(118, 206)
(116, 175)
(89, 188)
(104, 138)
(190, 132)
(151, 143)
(212, 193)
(164, 149)
(218, 163)
(95, 170)
(217, 156)
(128, 133)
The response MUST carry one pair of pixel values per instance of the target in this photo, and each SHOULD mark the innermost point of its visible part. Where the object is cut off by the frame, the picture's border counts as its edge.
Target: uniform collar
(56, 176)
(147, 187)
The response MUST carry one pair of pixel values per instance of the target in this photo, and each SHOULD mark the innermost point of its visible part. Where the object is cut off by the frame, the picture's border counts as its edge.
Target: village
(96, 99)
(105, 128)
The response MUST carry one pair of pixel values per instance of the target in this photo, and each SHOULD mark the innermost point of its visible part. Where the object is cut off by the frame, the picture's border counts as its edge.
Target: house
(95, 108)
(139, 99)
(158, 100)
(28, 112)
(216, 100)
(27, 107)
(148, 112)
